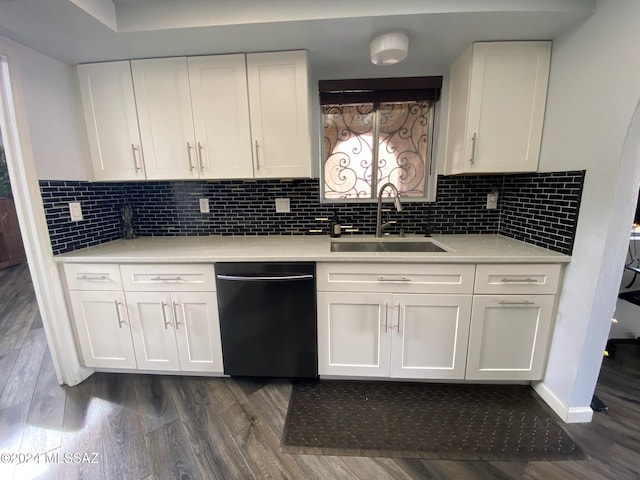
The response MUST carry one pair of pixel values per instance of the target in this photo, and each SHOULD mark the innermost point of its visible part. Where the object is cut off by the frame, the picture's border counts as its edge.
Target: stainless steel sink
(386, 246)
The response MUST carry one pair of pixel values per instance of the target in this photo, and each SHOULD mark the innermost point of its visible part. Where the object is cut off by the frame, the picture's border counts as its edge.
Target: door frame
(44, 272)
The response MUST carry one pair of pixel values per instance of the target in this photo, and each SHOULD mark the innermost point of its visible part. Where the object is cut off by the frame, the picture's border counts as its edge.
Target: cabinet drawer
(93, 276)
(170, 277)
(402, 278)
(517, 278)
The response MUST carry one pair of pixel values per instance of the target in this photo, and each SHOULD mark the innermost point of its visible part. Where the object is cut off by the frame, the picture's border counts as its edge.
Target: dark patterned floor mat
(424, 420)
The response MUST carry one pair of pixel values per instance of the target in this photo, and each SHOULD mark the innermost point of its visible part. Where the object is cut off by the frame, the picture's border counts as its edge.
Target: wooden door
(11, 246)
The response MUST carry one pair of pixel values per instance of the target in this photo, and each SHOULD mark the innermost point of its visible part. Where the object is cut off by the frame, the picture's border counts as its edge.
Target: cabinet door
(279, 107)
(102, 326)
(506, 105)
(509, 336)
(198, 331)
(166, 124)
(429, 336)
(221, 116)
(353, 334)
(497, 100)
(153, 330)
(111, 120)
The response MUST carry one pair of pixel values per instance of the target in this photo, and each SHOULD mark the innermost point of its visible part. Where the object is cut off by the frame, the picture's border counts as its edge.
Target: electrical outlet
(75, 210)
(204, 205)
(283, 205)
(492, 201)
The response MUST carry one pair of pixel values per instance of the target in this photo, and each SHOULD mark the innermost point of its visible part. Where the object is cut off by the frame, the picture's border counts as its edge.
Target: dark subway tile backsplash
(101, 204)
(537, 208)
(542, 208)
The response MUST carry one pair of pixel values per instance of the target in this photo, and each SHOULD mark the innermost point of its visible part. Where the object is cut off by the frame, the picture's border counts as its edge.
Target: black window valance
(341, 92)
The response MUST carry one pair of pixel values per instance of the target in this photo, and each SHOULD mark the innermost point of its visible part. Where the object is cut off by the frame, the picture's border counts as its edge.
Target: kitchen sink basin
(385, 246)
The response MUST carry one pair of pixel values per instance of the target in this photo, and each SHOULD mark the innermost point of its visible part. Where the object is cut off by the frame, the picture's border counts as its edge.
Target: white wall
(48, 89)
(594, 88)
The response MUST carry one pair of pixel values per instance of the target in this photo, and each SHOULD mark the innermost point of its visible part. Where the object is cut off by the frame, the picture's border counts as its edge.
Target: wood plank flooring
(170, 427)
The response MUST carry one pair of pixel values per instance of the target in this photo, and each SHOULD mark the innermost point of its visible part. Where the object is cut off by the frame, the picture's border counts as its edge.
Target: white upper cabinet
(497, 99)
(111, 120)
(279, 106)
(221, 116)
(164, 112)
(213, 117)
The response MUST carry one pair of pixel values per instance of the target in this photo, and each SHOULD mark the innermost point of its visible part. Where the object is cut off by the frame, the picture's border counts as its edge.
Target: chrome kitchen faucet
(379, 225)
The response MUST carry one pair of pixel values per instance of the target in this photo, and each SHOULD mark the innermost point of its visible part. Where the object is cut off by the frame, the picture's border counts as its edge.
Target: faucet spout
(398, 203)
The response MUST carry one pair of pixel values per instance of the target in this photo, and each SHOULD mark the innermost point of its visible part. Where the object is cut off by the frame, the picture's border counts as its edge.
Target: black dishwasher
(268, 318)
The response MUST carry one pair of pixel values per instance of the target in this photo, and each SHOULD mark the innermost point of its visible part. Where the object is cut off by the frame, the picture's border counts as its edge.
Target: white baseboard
(566, 414)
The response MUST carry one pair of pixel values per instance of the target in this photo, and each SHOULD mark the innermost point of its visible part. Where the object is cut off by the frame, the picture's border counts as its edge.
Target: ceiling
(336, 33)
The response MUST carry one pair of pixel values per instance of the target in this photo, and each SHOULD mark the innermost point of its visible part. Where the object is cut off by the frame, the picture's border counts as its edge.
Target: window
(400, 120)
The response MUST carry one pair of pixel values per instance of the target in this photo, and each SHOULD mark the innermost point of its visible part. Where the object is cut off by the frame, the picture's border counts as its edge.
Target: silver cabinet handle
(189, 156)
(92, 277)
(175, 314)
(134, 149)
(257, 157)
(523, 302)
(473, 148)
(386, 318)
(399, 279)
(177, 278)
(120, 322)
(398, 319)
(519, 280)
(200, 164)
(164, 316)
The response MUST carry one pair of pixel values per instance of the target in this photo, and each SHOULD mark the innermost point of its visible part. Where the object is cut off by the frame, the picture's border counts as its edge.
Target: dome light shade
(389, 48)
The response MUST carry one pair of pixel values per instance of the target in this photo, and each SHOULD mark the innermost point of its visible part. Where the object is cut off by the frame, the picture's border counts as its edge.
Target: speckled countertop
(460, 249)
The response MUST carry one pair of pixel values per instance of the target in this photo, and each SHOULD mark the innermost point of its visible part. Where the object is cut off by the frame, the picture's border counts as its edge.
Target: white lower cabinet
(435, 321)
(198, 332)
(353, 337)
(102, 326)
(509, 336)
(153, 330)
(173, 331)
(431, 334)
(165, 319)
(397, 335)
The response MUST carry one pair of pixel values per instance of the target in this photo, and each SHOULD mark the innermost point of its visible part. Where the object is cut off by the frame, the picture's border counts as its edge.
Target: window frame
(376, 91)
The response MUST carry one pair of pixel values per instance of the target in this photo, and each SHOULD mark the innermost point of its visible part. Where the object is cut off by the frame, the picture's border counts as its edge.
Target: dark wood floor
(162, 427)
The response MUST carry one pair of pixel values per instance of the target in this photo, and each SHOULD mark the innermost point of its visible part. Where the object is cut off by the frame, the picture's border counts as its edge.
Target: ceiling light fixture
(389, 48)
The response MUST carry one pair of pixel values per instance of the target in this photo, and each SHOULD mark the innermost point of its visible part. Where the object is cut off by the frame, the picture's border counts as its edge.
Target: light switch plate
(204, 205)
(283, 205)
(75, 210)
(492, 201)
